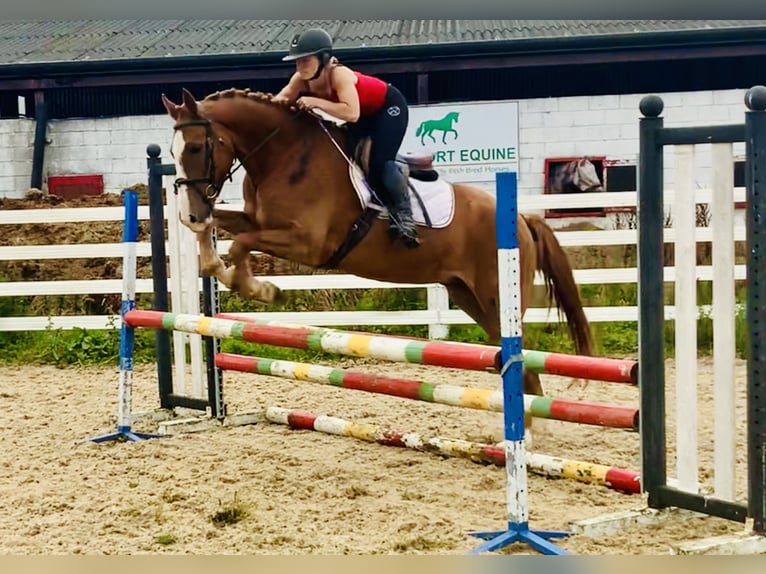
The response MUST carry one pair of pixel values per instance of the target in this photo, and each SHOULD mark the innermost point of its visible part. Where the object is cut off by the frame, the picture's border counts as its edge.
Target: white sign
(470, 141)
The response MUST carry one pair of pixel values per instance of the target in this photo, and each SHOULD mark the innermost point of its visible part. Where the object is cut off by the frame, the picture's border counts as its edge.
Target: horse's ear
(170, 107)
(189, 100)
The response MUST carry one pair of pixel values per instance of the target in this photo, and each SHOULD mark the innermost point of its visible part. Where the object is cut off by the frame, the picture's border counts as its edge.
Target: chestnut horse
(300, 205)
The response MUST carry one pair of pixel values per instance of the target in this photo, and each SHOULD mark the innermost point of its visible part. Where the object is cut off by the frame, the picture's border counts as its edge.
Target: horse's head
(585, 178)
(576, 176)
(203, 156)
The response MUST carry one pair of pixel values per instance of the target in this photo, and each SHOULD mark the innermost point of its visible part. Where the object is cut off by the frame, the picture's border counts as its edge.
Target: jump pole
(581, 412)
(619, 479)
(509, 282)
(384, 347)
(484, 357)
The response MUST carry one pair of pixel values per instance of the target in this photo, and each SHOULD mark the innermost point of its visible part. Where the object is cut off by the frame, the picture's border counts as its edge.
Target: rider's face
(307, 66)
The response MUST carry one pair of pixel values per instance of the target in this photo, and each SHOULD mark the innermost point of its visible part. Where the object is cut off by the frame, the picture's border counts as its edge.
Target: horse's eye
(193, 148)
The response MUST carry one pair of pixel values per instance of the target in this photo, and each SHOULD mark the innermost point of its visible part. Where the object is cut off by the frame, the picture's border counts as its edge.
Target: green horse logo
(443, 125)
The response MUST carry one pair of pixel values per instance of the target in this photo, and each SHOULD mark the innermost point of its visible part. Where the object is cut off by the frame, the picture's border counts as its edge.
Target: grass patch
(165, 539)
(229, 513)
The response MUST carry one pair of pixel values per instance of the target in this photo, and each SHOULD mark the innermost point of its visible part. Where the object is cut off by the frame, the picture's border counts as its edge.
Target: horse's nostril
(192, 218)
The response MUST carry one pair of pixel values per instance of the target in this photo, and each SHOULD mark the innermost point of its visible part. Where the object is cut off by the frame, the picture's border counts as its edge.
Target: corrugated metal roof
(362, 33)
(246, 36)
(81, 40)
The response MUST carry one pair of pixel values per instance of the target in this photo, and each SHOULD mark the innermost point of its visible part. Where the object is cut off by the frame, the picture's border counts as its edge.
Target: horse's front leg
(234, 222)
(285, 241)
(210, 263)
(239, 277)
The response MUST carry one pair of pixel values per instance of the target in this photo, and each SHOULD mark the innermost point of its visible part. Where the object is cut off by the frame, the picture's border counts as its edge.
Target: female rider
(370, 107)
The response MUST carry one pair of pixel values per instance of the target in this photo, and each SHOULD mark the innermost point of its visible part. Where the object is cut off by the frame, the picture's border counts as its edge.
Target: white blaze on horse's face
(184, 204)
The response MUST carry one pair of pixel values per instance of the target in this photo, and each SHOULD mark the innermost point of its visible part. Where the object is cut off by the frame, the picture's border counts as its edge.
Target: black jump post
(651, 375)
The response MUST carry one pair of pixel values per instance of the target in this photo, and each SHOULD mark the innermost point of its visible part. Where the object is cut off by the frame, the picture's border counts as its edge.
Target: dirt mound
(96, 232)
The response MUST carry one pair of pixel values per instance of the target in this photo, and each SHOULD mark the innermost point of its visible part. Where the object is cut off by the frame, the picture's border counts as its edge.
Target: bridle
(213, 189)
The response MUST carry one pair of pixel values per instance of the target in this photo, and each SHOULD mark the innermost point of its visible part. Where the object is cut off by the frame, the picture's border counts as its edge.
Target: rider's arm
(347, 107)
(291, 91)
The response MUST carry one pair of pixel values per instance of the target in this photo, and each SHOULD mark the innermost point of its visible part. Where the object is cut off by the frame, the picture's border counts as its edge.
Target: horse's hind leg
(465, 298)
(532, 384)
(488, 319)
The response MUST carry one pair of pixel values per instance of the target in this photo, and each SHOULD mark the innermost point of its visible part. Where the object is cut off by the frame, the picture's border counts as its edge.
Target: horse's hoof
(280, 297)
(273, 294)
(212, 271)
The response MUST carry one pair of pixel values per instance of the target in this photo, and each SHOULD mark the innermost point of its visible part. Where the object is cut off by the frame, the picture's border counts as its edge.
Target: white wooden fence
(437, 314)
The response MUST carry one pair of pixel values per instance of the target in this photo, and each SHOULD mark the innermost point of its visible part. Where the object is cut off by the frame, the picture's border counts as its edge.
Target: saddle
(423, 181)
(418, 166)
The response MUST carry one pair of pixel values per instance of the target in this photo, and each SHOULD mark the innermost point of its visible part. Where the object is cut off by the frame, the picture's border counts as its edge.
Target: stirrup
(409, 242)
(396, 233)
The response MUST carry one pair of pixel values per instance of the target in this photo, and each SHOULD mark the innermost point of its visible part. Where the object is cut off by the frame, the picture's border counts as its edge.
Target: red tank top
(371, 91)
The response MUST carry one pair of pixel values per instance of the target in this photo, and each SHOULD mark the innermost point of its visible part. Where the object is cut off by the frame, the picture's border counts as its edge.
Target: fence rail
(627, 313)
(437, 313)
(606, 276)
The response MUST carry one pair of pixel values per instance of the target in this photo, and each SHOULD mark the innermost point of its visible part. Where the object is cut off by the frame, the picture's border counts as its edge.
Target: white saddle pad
(437, 196)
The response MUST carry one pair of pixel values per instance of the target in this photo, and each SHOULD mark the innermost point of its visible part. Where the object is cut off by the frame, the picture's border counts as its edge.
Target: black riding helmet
(313, 41)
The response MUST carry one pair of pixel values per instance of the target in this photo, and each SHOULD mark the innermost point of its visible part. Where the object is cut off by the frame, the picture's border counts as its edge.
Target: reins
(260, 145)
(213, 190)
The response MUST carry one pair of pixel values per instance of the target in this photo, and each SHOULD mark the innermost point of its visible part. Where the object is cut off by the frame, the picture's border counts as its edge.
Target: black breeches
(386, 129)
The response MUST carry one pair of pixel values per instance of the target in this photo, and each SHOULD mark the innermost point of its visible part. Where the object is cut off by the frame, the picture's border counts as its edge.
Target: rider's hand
(307, 102)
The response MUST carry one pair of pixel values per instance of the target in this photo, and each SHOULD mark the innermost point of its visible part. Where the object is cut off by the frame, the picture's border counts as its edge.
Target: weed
(165, 539)
(230, 512)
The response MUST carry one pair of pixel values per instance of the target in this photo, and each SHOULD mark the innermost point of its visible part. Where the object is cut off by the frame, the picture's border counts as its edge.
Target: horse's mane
(308, 120)
(247, 94)
(261, 98)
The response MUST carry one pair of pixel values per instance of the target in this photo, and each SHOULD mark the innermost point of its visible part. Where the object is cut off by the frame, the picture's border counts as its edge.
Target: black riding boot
(401, 222)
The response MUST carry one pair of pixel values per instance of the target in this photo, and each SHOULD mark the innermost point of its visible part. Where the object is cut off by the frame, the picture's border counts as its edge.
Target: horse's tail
(420, 130)
(560, 285)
